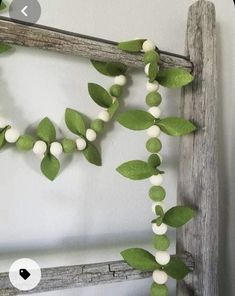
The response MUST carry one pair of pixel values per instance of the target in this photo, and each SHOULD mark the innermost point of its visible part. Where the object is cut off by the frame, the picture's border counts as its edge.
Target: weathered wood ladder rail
(197, 185)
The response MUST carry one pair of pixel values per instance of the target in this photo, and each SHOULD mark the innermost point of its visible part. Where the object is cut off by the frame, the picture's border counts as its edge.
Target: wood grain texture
(68, 277)
(64, 42)
(198, 170)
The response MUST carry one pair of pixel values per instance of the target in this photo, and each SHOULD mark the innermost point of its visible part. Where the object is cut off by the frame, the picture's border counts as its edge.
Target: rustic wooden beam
(198, 169)
(68, 277)
(64, 42)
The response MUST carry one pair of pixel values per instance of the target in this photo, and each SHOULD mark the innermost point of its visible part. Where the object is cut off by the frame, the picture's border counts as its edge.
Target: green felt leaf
(161, 242)
(159, 221)
(46, 130)
(153, 70)
(92, 154)
(69, 146)
(116, 90)
(2, 5)
(4, 47)
(113, 109)
(159, 211)
(110, 68)
(174, 77)
(156, 171)
(75, 122)
(132, 45)
(178, 216)
(176, 269)
(97, 125)
(135, 170)
(176, 126)
(159, 290)
(154, 160)
(116, 68)
(50, 166)
(2, 138)
(140, 259)
(25, 143)
(136, 119)
(157, 193)
(100, 95)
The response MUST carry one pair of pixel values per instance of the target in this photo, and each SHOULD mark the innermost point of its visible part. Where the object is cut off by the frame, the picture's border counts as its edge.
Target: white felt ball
(91, 135)
(160, 277)
(146, 69)
(81, 144)
(56, 149)
(159, 230)
(148, 45)
(104, 115)
(163, 258)
(120, 80)
(12, 135)
(3, 122)
(155, 111)
(154, 131)
(159, 203)
(152, 86)
(39, 148)
(156, 180)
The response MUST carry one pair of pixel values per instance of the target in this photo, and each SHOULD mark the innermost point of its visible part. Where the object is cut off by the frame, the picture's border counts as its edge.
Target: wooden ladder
(198, 169)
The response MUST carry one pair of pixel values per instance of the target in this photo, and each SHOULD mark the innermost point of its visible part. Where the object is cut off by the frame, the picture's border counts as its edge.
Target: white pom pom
(148, 45)
(120, 80)
(159, 203)
(152, 86)
(154, 131)
(156, 180)
(155, 111)
(12, 135)
(104, 115)
(56, 149)
(3, 122)
(146, 69)
(81, 144)
(39, 148)
(160, 277)
(163, 258)
(159, 230)
(91, 135)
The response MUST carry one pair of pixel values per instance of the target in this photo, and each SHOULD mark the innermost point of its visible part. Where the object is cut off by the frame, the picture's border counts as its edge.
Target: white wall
(82, 217)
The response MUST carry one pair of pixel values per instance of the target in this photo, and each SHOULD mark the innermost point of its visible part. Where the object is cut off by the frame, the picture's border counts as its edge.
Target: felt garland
(44, 142)
(162, 264)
